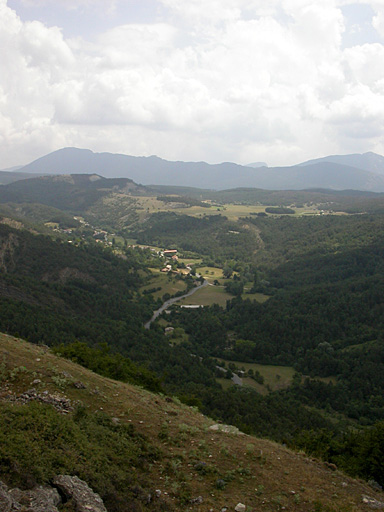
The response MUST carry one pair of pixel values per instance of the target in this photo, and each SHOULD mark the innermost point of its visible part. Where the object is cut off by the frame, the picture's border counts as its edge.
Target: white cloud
(215, 80)
(378, 20)
(106, 5)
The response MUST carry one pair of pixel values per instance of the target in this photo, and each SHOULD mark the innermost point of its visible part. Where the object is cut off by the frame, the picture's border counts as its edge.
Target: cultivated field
(275, 377)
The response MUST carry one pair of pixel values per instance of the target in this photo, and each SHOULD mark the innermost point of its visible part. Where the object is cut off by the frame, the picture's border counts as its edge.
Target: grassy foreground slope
(127, 443)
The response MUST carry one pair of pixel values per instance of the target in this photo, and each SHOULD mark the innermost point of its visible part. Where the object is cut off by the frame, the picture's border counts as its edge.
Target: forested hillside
(322, 282)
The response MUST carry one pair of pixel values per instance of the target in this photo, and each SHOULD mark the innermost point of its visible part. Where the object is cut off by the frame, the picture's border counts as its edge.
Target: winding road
(169, 302)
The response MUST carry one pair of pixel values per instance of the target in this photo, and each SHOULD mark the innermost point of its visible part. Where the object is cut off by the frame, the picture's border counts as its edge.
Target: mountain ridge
(157, 171)
(369, 161)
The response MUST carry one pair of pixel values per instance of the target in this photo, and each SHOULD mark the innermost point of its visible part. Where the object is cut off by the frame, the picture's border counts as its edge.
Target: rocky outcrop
(39, 499)
(47, 499)
(5, 499)
(373, 503)
(60, 403)
(84, 498)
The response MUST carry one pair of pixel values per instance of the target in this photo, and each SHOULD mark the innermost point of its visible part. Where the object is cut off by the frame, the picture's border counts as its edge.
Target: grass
(154, 442)
(207, 296)
(210, 273)
(258, 297)
(275, 377)
(233, 211)
(167, 284)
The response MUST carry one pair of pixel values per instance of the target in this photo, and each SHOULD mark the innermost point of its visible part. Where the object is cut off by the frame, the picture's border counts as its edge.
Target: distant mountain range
(358, 171)
(367, 161)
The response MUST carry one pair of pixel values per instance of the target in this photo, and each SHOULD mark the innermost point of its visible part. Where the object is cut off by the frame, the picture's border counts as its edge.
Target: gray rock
(197, 501)
(372, 503)
(79, 385)
(60, 403)
(240, 507)
(39, 499)
(84, 498)
(5, 499)
(228, 429)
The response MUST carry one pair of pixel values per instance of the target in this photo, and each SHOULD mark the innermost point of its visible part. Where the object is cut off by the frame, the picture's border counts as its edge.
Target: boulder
(373, 503)
(85, 500)
(5, 499)
(39, 499)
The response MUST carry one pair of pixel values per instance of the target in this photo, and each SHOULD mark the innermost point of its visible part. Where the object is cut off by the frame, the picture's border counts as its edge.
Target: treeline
(359, 453)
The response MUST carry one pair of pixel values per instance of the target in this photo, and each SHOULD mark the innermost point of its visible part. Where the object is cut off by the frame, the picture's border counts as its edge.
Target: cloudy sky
(279, 81)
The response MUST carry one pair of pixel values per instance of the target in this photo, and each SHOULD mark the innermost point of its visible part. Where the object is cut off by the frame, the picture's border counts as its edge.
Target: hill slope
(75, 192)
(173, 457)
(154, 170)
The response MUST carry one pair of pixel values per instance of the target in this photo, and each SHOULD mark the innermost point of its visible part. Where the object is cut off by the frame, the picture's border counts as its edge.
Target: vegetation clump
(37, 443)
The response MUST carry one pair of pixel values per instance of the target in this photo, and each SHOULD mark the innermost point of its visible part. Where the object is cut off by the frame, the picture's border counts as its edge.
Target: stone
(39, 499)
(84, 498)
(240, 507)
(60, 403)
(372, 503)
(5, 499)
(220, 484)
(197, 501)
(227, 429)
(79, 385)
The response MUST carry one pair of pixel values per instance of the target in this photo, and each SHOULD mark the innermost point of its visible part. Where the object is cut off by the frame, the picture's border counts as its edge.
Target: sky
(278, 81)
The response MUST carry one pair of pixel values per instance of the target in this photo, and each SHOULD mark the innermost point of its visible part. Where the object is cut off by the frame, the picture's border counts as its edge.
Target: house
(169, 253)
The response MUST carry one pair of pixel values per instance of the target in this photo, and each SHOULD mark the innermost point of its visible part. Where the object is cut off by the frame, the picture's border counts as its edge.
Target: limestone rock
(372, 503)
(60, 403)
(84, 498)
(228, 429)
(39, 499)
(197, 501)
(5, 499)
(240, 507)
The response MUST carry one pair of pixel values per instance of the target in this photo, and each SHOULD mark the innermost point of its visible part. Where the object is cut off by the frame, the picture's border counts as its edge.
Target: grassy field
(259, 297)
(207, 296)
(210, 273)
(275, 377)
(167, 284)
(149, 205)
